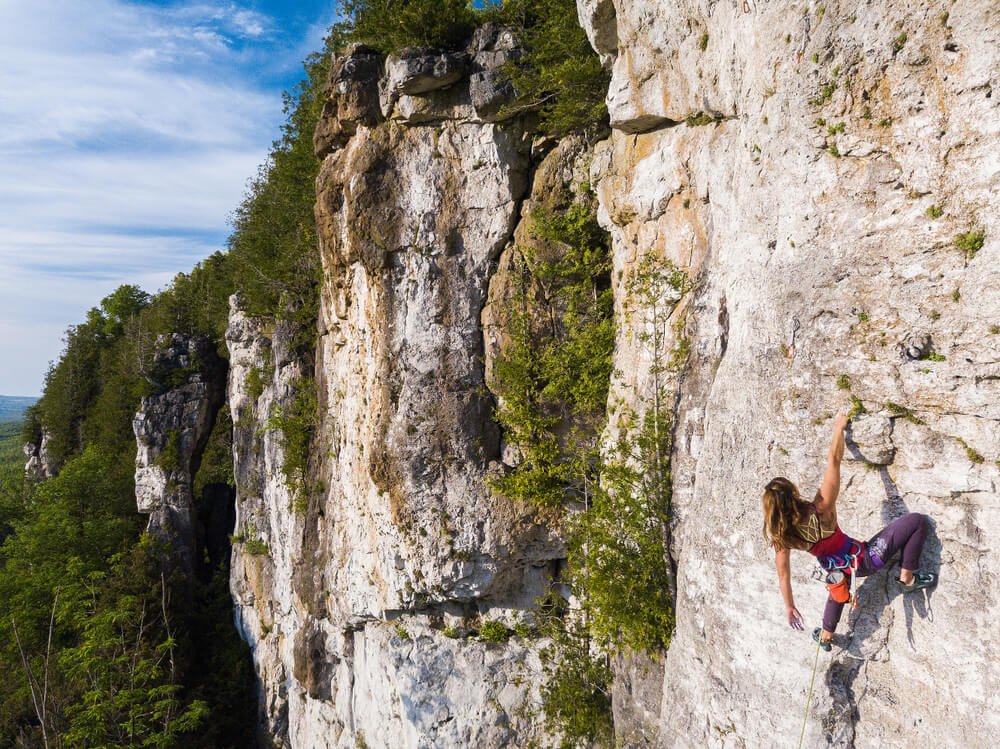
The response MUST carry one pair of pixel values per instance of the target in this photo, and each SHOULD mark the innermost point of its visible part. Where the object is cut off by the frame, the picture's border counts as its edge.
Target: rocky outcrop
(171, 429)
(40, 465)
(821, 178)
(372, 578)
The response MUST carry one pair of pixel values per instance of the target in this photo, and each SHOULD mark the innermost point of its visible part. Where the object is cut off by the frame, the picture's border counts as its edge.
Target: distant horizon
(133, 128)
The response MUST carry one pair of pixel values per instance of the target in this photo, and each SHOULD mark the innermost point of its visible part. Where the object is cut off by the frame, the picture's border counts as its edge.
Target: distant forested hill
(12, 407)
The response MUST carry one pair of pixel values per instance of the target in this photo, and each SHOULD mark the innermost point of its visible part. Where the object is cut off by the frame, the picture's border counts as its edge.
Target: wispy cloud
(129, 132)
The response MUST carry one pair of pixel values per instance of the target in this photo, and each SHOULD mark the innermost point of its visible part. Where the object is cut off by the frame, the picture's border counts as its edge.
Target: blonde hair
(783, 510)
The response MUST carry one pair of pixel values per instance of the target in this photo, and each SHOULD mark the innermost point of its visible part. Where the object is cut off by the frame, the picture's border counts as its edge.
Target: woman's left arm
(782, 560)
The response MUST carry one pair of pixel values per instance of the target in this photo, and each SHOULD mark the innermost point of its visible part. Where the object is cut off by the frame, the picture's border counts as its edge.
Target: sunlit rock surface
(810, 167)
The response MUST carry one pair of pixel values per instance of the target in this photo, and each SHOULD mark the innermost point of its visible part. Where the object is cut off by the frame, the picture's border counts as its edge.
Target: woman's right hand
(795, 618)
(840, 423)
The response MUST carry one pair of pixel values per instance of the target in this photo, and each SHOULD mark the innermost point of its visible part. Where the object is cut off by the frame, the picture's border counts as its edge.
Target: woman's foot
(825, 641)
(916, 580)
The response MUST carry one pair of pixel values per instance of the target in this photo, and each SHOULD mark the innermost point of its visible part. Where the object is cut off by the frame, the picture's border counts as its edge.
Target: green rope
(809, 698)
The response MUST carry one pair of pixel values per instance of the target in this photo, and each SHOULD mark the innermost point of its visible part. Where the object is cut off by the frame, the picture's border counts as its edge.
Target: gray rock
(492, 47)
(171, 428)
(858, 262)
(915, 346)
(418, 71)
(40, 465)
(869, 439)
(352, 91)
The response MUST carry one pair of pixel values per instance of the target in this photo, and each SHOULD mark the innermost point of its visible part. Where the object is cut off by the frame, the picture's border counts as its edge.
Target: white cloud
(129, 133)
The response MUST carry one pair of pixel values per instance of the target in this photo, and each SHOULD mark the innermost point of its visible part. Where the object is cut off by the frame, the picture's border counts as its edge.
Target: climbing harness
(812, 678)
(850, 560)
(836, 571)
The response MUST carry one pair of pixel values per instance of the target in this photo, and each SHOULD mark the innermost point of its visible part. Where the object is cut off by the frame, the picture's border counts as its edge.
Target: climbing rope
(805, 717)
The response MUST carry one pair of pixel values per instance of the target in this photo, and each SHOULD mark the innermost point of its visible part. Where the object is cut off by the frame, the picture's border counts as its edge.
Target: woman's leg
(904, 534)
(831, 614)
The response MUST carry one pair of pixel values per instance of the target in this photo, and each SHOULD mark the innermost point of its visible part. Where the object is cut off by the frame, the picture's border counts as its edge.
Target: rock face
(368, 583)
(801, 203)
(810, 170)
(171, 429)
(40, 465)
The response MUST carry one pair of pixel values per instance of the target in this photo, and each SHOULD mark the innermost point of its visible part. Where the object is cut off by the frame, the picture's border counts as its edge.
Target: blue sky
(129, 131)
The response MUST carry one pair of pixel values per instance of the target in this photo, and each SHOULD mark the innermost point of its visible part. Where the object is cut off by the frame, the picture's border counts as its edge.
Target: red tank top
(831, 544)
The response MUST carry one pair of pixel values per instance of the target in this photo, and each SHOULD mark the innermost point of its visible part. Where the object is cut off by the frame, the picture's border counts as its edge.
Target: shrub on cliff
(560, 76)
(392, 25)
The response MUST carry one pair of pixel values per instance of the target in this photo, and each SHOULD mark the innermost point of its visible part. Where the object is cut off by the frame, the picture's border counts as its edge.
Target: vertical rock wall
(362, 596)
(171, 429)
(810, 166)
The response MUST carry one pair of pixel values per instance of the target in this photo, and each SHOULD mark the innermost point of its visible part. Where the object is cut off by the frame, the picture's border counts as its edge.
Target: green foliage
(899, 42)
(553, 376)
(974, 455)
(392, 25)
(493, 631)
(825, 94)
(402, 633)
(857, 407)
(12, 484)
(618, 544)
(251, 542)
(934, 211)
(256, 382)
(703, 41)
(844, 382)
(618, 549)
(450, 632)
(560, 77)
(970, 242)
(576, 691)
(169, 458)
(702, 118)
(297, 422)
(902, 412)
(217, 459)
(274, 255)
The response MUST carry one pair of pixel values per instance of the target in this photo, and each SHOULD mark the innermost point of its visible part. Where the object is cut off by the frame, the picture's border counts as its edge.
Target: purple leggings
(906, 533)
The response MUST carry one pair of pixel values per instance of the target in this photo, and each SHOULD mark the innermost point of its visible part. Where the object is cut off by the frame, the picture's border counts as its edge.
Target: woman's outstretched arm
(783, 562)
(831, 478)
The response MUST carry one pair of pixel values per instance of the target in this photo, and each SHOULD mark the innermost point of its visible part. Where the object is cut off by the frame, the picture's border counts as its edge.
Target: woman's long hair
(783, 508)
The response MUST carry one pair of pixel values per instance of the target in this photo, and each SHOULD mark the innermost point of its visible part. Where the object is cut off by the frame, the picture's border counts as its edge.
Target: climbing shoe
(825, 644)
(920, 580)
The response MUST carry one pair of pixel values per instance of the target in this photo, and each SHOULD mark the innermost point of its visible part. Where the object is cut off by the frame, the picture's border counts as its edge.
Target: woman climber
(791, 523)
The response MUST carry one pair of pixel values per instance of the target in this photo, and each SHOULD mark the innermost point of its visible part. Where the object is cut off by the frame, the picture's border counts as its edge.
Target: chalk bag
(837, 584)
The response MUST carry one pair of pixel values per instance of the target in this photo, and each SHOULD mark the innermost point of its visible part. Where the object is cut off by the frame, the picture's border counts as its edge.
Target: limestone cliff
(171, 429)
(810, 167)
(362, 589)
(818, 185)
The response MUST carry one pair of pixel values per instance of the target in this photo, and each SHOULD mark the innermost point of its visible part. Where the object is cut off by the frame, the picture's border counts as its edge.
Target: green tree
(392, 25)
(560, 76)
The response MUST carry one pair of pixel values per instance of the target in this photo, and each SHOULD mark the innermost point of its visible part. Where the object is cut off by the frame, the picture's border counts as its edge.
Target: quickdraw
(850, 560)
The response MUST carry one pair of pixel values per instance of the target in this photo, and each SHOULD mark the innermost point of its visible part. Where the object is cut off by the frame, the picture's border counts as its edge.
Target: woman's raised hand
(840, 423)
